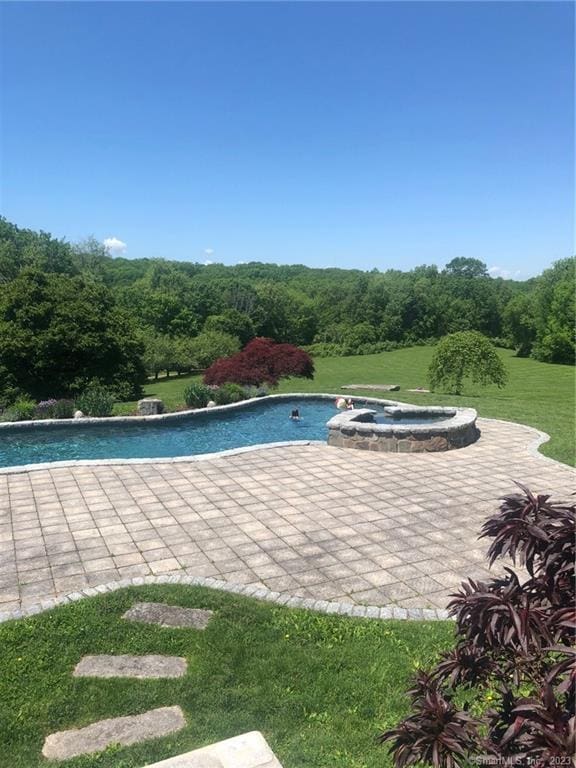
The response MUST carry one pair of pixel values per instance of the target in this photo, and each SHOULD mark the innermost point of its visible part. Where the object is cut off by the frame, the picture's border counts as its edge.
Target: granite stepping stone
(140, 667)
(375, 387)
(118, 730)
(169, 615)
(250, 750)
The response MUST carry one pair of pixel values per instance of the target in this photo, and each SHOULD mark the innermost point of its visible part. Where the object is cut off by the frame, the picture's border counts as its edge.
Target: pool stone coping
(532, 450)
(158, 460)
(167, 417)
(541, 436)
(377, 612)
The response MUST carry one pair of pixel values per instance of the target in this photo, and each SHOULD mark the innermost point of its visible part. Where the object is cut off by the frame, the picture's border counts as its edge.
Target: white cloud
(504, 273)
(208, 251)
(113, 245)
(207, 263)
(499, 272)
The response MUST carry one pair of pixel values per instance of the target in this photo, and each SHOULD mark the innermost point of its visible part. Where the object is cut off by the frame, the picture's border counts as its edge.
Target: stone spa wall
(357, 429)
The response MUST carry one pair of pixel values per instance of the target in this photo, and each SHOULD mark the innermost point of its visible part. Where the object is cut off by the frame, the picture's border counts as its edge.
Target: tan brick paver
(310, 521)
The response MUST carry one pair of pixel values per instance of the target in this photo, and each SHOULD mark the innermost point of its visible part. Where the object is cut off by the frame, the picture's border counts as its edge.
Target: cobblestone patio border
(320, 606)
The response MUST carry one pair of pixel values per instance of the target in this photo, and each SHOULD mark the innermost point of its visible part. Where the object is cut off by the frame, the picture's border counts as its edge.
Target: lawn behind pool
(320, 688)
(538, 394)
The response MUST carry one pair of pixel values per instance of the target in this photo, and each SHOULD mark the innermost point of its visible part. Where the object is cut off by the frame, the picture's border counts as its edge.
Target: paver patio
(311, 521)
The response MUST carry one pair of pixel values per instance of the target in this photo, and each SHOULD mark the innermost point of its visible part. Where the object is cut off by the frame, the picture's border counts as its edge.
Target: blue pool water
(261, 422)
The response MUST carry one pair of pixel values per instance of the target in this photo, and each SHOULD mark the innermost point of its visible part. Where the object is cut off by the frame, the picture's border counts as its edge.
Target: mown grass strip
(319, 687)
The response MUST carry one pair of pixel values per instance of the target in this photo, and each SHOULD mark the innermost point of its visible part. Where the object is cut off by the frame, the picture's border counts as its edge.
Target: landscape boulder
(150, 406)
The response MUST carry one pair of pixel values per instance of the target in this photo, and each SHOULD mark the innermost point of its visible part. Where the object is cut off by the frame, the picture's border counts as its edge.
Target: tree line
(71, 314)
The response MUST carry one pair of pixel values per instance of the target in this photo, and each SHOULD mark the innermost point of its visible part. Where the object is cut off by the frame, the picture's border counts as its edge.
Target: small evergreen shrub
(8, 414)
(197, 395)
(503, 342)
(251, 391)
(22, 410)
(333, 349)
(229, 393)
(64, 409)
(125, 391)
(96, 400)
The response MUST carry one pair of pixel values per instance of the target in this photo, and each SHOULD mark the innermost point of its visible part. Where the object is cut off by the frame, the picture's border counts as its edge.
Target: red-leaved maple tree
(262, 361)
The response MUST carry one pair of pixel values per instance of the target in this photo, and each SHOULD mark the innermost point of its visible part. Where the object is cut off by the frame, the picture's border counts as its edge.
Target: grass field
(537, 394)
(320, 688)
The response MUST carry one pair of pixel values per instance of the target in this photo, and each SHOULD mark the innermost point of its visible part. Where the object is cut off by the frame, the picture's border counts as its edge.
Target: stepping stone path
(169, 615)
(117, 730)
(131, 666)
(250, 750)
(149, 725)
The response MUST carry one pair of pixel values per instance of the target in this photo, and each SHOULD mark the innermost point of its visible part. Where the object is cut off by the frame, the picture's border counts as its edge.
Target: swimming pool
(262, 421)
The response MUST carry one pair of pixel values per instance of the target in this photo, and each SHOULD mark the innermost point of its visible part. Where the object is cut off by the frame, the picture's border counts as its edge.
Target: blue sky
(367, 135)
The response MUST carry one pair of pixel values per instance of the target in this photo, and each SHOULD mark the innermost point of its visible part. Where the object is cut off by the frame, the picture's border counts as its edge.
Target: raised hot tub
(404, 429)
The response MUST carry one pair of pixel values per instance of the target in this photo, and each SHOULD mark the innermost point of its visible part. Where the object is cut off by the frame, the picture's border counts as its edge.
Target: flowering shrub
(261, 361)
(45, 408)
(54, 409)
(506, 693)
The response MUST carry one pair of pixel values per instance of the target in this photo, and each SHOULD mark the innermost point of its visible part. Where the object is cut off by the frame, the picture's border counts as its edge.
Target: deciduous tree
(261, 361)
(465, 355)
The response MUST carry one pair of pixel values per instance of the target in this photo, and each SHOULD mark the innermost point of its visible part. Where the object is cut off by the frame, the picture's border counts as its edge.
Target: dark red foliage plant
(505, 695)
(262, 361)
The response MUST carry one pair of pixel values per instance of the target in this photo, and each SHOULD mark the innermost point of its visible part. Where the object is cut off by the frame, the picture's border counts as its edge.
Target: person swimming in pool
(295, 415)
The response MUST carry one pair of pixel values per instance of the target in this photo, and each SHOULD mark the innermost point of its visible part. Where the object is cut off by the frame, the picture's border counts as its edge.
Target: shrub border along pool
(261, 593)
(190, 413)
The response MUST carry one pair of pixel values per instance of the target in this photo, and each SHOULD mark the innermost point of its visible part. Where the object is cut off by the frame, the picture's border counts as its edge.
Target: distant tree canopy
(463, 267)
(555, 312)
(169, 314)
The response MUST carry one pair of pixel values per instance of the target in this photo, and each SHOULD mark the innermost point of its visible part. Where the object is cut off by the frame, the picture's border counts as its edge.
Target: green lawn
(320, 688)
(537, 394)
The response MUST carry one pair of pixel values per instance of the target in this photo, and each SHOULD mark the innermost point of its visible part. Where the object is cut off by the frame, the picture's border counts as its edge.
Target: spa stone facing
(358, 429)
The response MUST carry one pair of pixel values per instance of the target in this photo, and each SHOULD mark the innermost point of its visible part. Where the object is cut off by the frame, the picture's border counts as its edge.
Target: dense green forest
(70, 313)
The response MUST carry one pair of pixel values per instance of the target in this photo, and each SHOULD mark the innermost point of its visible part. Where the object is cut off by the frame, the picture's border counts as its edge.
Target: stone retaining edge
(260, 593)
